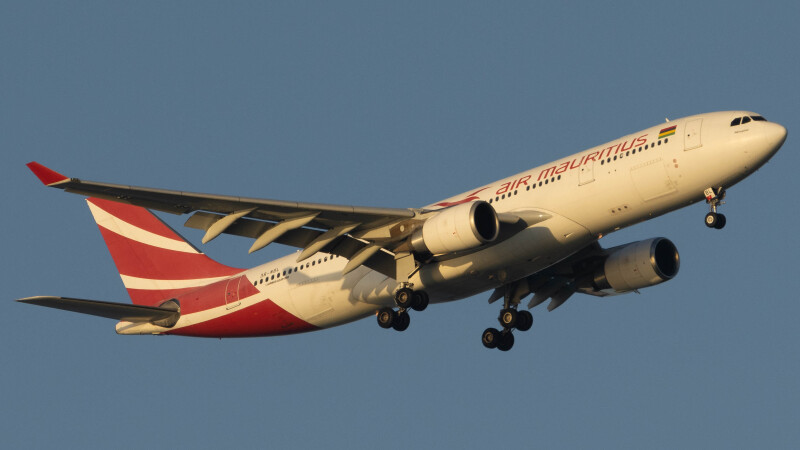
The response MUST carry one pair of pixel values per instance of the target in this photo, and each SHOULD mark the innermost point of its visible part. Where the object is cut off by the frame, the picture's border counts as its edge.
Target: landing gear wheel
(506, 341)
(524, 320)
(491, 337)
(401, 322)
(720, 221)
(712, 219)
(387, 317)
(420, 301)
(508, 318)
(404, 298)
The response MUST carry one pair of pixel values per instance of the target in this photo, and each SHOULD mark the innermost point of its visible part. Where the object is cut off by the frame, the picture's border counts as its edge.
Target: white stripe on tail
(154, 261)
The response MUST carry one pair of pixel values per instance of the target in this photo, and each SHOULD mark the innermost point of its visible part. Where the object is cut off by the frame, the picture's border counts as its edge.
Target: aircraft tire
(508, 318)
(712, 219)
(386, 317)
(490, 337)
(404, 298)
(421, 300)
(506, 342)
(720, 222)
(524, 320)
(402, 321)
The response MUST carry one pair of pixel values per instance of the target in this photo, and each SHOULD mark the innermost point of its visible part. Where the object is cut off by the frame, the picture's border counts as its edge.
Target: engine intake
(638, 265)
(457, 228)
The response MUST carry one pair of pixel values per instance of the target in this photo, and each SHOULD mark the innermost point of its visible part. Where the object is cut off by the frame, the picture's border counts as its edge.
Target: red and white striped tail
(154, 261)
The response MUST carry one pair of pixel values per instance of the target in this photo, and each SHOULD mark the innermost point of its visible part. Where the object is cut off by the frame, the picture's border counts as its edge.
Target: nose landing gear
(715, 197)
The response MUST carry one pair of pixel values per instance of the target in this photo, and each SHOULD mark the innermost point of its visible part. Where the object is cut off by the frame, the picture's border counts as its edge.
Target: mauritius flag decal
(669, 131)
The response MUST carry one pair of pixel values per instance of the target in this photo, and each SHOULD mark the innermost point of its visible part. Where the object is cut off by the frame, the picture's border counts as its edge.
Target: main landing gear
(510, 318)
(715, 197)
(406, 299)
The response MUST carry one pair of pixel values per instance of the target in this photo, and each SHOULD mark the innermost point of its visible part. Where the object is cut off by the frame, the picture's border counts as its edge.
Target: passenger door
(691, 136)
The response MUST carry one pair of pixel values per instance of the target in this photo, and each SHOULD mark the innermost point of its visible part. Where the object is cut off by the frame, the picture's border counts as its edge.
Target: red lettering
(641, 140)
(523, 180)
(562, 168)
(591, 157)
(546, 173)
(503, 189)
(572, 166)
(624, 148)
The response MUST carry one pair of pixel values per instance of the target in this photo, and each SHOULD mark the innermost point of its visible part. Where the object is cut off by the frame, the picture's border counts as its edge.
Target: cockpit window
(745, 120)
(736, 121)
(759, 118)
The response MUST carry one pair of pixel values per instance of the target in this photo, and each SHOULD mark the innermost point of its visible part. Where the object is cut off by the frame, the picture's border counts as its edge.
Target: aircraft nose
(775, 135)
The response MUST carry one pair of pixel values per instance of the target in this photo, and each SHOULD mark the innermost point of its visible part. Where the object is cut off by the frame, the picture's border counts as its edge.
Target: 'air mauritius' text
(593, 156)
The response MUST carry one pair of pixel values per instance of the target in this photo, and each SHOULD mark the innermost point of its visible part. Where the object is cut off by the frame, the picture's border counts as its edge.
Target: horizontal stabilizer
(110, 310)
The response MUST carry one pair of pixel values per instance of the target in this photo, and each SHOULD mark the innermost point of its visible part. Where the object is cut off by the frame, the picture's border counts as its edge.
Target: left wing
(365, 235)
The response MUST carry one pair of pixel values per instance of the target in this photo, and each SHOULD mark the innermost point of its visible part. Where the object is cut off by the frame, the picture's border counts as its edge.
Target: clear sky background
(394, 104)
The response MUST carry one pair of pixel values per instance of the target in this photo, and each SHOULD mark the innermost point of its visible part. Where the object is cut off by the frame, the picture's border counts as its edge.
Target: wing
(597, 271)
(378, 238)
(559, 281)
(364, 235)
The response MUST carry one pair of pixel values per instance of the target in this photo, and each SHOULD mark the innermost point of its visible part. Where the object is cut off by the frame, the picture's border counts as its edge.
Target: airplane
(535, 232)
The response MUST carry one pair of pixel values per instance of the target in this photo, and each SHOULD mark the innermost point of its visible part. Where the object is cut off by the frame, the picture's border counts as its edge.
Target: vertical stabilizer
(154, 261)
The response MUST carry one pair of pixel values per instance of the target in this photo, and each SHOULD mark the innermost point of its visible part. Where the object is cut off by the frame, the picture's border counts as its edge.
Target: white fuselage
(584, 197)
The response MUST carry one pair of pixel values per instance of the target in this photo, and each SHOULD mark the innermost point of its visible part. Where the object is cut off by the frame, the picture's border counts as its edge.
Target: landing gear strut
(715, 197)
(405, 298)
(510, 318)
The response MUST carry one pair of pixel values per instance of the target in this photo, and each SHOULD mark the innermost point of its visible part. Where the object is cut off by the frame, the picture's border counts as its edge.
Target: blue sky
(393, 104)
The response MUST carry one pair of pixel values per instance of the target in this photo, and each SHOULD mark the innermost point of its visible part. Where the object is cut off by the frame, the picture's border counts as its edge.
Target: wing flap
(109, 310)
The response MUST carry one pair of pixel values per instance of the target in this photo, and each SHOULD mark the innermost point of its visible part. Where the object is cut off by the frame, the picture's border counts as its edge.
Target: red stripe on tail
(155, 262)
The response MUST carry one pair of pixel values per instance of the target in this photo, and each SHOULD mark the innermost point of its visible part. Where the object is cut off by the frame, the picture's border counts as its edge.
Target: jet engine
(457, 228)
(638, 265)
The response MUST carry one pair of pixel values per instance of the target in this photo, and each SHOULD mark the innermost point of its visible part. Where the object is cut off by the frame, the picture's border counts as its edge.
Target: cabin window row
(527, 188)
(290, 270)
(633, 152)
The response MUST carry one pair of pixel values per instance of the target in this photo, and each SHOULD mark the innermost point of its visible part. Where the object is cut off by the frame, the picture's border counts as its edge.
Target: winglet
(47, 176)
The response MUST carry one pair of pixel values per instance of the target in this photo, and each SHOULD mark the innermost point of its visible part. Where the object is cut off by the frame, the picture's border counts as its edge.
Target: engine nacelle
(638, 265)
(457, 228)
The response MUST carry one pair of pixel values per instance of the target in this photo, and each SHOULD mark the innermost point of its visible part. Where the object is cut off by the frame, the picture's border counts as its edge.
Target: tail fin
(154, 261)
